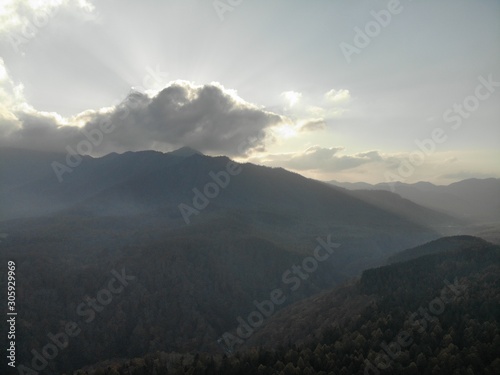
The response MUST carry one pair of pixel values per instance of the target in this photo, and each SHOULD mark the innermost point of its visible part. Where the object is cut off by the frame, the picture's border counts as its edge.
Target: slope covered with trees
(436, 314)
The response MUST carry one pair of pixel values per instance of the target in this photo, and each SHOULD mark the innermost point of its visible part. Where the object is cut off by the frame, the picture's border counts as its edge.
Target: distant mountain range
(473, 199)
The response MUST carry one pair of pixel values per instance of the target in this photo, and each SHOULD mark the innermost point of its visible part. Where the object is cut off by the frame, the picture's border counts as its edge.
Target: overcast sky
(346, 90)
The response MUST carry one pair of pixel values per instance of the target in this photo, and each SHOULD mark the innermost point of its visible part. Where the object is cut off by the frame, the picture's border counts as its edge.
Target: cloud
(25, 17)
(291, 98)
(11, 98)
(338, 96)
(452, 159)
(24, 127)
(208, 117)
(310, 113)
(313, 125)
(322, 159)
(371, 155)
(10, 93)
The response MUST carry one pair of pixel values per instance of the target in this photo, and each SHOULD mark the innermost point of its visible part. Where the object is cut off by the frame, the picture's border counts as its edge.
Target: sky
(373, 91)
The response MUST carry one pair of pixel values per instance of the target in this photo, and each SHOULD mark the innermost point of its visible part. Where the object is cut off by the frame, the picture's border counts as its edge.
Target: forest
(402, 330)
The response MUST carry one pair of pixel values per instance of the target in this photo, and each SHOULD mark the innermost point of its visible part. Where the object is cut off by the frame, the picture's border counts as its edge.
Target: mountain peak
(185, 152)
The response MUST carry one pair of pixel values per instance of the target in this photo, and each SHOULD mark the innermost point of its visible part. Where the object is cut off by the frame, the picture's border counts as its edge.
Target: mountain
(438, 246)
(360, 325)
(150, 187)
(201, 237)
(472, 199)
(185, 152)
(392, 202)
(404, 284)
(434, 314)
(30, 185)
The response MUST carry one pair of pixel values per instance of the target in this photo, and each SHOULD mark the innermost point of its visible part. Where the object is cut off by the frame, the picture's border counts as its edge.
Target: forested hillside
(437, 314)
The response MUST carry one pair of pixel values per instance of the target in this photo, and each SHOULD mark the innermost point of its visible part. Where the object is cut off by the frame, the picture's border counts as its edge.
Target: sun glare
(292, 97)
(285, 131)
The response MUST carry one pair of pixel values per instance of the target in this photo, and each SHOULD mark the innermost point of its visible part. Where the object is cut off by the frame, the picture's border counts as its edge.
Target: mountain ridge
(472, 199)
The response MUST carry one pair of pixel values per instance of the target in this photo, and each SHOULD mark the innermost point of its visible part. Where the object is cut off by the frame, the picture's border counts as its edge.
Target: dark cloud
(208, 118)
(37, 131)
